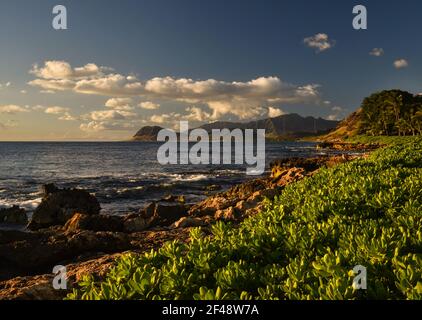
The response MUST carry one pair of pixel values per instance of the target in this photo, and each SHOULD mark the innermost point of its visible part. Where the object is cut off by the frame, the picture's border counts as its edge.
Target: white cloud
(401, 63)
(96, 126)
(12, 109)
(196, 114)
(103, 115)
(120, 103)
(68, 117)
(320, 42)
(8, 124)
(275, 112)
(7, 84)
(149, 105)
(162, 118)
(47, 91)
(241, 99)
(38, 108)
(56, 110)
(62, 70)
(110, 85)
(52, 85)
(377, 52)
(338, 113)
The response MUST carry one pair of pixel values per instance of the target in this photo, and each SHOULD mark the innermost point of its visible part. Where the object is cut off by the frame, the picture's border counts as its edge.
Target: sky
(121, 65)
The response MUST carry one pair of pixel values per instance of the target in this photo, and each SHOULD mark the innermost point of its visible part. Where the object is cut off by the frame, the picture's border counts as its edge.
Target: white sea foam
(28, 205)
(192, 177)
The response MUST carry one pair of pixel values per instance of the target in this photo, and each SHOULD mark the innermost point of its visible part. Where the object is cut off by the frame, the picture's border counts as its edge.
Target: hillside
(348, 127)
(148, 133)
(385, 113)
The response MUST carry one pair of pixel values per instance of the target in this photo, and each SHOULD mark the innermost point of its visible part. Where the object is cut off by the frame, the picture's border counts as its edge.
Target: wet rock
(187, 222)
(173, 198)
(94, 222)
(163, 215)
(58, 207)
(49, 188)
(136, 223)
(213, 187)
(13, 215)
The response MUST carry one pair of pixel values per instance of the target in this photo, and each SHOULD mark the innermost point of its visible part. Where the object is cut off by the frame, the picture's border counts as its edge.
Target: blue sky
(183, 43)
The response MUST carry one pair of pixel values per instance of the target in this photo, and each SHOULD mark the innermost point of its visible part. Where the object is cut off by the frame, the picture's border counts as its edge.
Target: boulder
(187, 222)
(58, 207)
(13, 215)
(49, 188)
(162, 215)
(94, 222)
(136, 223)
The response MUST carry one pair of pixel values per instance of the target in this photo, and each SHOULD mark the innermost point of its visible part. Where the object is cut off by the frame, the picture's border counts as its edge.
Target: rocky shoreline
(68, 229)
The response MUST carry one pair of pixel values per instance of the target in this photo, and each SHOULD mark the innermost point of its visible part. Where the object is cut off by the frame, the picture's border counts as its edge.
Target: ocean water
(124, 176)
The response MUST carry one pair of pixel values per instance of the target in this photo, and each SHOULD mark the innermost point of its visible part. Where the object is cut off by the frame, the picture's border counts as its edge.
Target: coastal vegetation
(303, 245)
(391, 112)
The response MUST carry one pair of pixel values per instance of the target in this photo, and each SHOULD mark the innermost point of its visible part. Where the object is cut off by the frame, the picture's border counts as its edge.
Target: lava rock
(13, 215)
(58, 207)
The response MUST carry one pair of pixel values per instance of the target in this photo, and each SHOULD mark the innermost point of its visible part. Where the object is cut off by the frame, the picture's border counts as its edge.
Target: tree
(391, 112)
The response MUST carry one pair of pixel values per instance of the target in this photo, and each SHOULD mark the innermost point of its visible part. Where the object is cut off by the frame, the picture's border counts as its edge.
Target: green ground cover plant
(303, 246)
(382, 140)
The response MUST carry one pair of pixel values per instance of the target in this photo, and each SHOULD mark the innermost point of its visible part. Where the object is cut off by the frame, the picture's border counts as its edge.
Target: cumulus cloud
(338, 113)
(196, 114)
(401, 63)
(120, 103)
(8, 124)
(53, 85)
(110, 85)
(68, 117)
(63, 70)
(320, 42)
(162, 118)
(12, 109)
(377, 52)
(96, 126)
(275, 112)
(149, 105)
(241, 99)
(105, 115)
(55, 110)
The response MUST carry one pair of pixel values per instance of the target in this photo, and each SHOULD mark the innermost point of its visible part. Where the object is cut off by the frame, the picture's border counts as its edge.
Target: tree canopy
(392, 112)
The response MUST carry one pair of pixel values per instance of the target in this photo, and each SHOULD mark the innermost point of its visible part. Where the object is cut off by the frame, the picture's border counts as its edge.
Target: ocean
(124, 176)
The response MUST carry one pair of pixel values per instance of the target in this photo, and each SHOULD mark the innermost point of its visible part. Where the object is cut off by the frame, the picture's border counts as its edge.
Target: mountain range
(288, 126)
